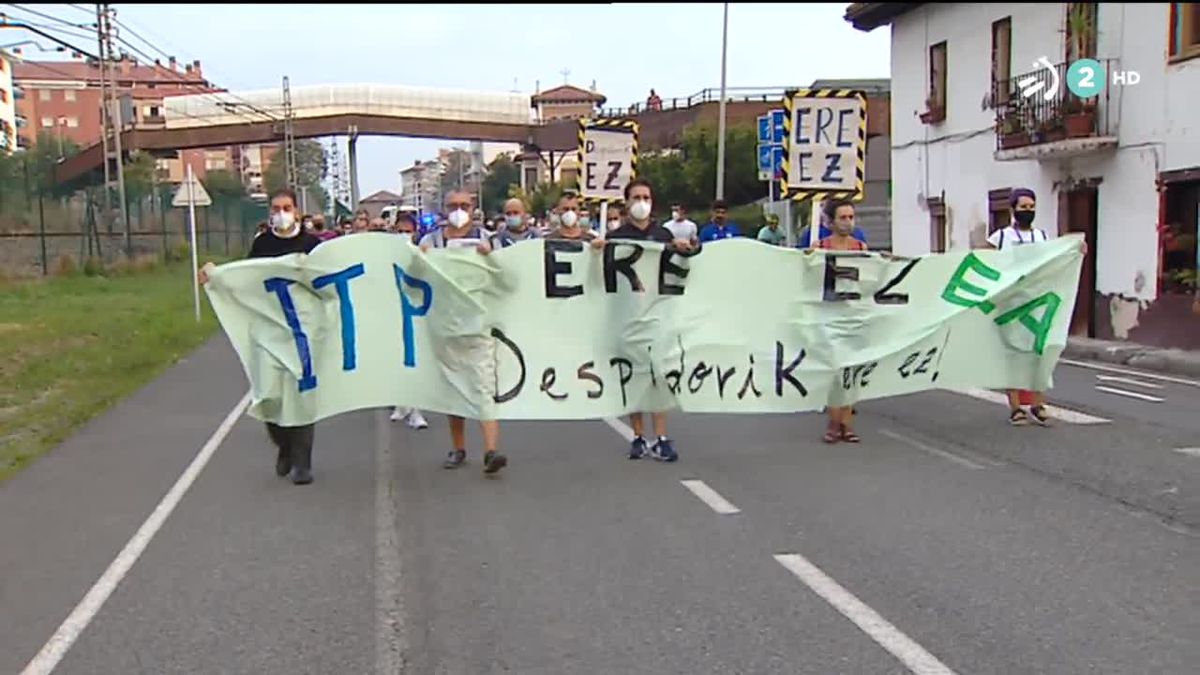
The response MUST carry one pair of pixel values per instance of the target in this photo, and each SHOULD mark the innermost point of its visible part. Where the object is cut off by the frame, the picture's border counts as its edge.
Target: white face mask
(458, 218)
(282, 224)
(640, 210)
(568, 218)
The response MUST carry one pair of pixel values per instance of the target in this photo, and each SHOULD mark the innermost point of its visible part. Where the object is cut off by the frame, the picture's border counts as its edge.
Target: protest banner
(557, 330)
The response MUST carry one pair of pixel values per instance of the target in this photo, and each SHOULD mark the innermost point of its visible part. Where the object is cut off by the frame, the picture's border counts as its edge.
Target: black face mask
(1024, 218)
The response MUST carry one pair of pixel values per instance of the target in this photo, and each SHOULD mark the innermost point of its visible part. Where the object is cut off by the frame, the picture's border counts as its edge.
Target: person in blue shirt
(824, 232)
(719, 228)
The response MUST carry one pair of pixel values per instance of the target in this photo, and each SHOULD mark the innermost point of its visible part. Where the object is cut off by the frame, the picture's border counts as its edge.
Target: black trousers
(297, 442)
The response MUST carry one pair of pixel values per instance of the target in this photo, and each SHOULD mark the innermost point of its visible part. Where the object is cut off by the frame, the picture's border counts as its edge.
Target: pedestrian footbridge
(216, 119)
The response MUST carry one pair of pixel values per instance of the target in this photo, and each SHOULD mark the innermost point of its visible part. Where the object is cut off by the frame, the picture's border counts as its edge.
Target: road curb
(1173, 361)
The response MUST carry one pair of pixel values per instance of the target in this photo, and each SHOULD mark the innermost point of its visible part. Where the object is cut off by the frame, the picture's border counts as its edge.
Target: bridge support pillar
(353, 158)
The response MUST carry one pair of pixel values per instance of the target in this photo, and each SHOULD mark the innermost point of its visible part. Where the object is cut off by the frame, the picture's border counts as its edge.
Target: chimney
(124, 64)
(187, 68)
(196, 67)
(171, 63)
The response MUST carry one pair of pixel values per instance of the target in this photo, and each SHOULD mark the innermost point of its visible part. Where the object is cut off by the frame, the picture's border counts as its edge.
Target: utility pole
(104, 121)
(721, 113)
(289, 136)
(105, 16)
(335, 176)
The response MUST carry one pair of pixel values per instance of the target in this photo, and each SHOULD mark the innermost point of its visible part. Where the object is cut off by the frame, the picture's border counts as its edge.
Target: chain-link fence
(44, 233)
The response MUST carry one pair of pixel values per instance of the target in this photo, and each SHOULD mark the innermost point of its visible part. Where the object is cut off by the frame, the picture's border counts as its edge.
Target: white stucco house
(1122, 167)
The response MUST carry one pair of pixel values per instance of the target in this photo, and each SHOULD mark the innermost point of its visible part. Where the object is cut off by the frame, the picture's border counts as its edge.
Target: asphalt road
(947, 542)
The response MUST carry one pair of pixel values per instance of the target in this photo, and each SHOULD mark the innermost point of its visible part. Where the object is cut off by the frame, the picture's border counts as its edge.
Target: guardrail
(732, 95)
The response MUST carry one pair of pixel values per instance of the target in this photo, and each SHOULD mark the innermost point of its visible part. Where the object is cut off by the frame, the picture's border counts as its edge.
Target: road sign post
(608, 151)
(192, 194)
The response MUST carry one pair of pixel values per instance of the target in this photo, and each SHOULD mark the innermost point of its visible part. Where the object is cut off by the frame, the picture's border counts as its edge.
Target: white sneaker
(398, 414)
(416, 420)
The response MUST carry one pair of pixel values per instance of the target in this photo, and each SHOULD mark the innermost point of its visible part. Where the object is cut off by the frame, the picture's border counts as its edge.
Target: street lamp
(721, 107)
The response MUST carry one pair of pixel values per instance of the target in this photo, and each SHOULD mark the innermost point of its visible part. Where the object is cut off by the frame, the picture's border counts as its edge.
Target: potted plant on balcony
(1011, 126)
(1052, 129)
(1079, 117)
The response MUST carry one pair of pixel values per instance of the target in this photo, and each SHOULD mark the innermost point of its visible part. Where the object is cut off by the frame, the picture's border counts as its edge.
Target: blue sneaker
(664, 450)
(637, 448)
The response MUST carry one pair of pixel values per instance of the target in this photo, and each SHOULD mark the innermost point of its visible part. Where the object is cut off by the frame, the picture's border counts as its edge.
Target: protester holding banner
(639, 195)
(570, 225)
(459, 231)
(406, 226)
(840, 215)
(516, 226)
(285, 236)
(1024, 207)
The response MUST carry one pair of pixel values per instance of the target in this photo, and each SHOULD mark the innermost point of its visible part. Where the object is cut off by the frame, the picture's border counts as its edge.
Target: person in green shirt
(771, 234)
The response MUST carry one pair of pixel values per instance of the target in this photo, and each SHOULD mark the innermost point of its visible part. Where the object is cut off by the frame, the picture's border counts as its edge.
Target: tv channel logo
(1086, 78)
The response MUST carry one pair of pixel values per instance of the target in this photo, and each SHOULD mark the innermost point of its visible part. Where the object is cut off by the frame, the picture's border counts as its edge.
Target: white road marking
(56, 648)
(933, 451)
(1057, 413)
(1129, 394)
(620, 427)
(1127, 380)
(390, 633)
(710, 496)
(1192, 452)
(899, 645)
(1135, 373)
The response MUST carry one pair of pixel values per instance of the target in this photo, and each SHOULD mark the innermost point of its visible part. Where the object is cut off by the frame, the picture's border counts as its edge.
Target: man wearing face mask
(639, 202)
(570, 224)
(516, 226)
(615, 211)
(458, 228)
(681, 226)
(285, 236)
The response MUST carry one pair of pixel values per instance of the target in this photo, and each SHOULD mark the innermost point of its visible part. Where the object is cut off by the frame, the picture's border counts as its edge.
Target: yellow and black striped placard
(607, 124)
(860, 160)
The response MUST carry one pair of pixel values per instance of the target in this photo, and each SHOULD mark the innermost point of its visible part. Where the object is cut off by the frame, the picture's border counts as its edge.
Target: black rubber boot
(301, 447)
(283, 460)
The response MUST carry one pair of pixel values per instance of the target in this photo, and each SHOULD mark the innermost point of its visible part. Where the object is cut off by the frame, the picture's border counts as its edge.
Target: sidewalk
(1175, 361)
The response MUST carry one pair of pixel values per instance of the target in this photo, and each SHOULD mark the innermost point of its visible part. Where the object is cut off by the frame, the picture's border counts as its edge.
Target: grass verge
(75, 345)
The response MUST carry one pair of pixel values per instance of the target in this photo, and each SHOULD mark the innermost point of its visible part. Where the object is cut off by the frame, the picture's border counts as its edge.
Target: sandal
(832, 434)
(848, 435)
(1038, 414)
(1018, 418)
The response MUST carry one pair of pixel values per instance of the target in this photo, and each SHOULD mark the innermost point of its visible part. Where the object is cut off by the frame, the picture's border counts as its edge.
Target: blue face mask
(585, 222)
(514, 222)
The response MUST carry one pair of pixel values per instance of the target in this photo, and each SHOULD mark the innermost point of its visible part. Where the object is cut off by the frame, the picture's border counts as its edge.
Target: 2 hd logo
(1086, 78)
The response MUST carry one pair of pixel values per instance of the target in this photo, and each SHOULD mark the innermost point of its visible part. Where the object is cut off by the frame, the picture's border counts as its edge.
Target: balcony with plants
(1062, 118)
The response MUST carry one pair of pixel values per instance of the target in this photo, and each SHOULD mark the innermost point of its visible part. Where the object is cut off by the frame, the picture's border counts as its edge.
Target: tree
(311, 168)
(224, 187)
(458, 167)
(541, 199)
(502, 174)
(741, 165)
(139, 175)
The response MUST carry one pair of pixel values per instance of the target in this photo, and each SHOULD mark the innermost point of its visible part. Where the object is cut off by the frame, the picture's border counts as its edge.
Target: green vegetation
(78, 343)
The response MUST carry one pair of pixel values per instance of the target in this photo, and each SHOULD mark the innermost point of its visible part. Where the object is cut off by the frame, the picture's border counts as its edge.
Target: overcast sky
(626, 49)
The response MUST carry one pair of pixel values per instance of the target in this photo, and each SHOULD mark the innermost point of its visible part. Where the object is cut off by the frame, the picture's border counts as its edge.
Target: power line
(90, 26)
(155, 47)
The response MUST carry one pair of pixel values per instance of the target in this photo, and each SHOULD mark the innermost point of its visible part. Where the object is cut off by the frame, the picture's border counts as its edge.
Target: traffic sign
(777, 156)
(777, 129)
(197, 196)
(764, 161)
(764, 129)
